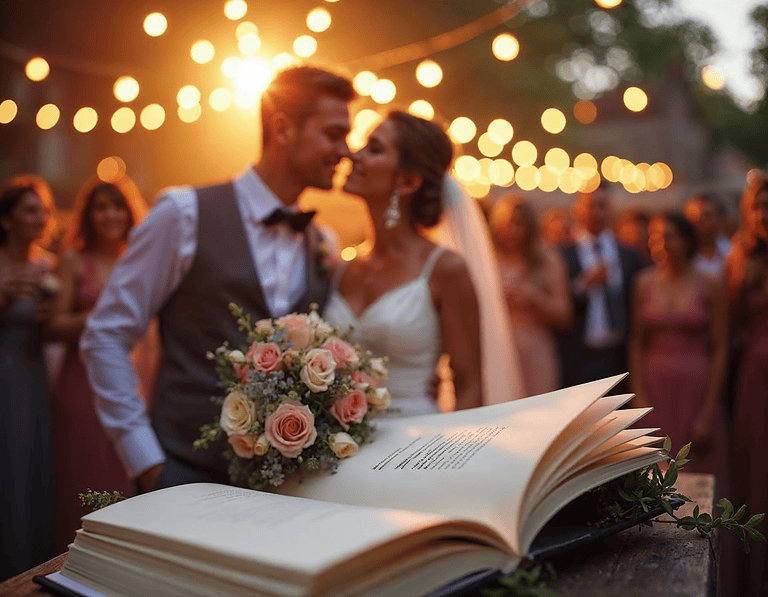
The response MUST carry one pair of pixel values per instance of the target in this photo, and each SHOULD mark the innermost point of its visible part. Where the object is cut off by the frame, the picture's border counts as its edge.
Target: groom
(200, 249)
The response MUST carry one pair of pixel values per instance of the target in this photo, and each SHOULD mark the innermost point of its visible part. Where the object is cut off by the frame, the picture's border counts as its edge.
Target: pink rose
(242, 372)
(243, 445)
(298, 329)
(265, 357)
(342, 352)
(291, 428)
(361, 377)
(350, 409)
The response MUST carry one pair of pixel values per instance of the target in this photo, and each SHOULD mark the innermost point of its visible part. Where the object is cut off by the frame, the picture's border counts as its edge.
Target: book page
(471, 464)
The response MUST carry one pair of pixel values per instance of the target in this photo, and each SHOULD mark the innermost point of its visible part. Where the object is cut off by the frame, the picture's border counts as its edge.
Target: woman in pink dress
(535, 282)
(83, 456)
(678, 350)
(747, 274)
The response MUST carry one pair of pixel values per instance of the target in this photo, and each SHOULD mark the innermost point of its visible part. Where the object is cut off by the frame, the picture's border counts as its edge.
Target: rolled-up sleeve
(159, 254)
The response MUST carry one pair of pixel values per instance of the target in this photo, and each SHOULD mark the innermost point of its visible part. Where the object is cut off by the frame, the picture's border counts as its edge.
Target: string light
(85, 120)
(479, 188)
(505, 47)
(527, 177)
(488, 146)
(37, 69)
(611, 168)
(188, 96)
(235, 10)
(230, 66)
(548, 179)
(305, 46)
(383, 91)
(189, 115)
(244, 28)
(501, 173)
(318, 20)
(553, 120)
(467, 168)
(152, 117)
(282, 61)
(585, 111)
(220, 99)
(348, 253)
(586, 164)
(712, 78)
(249, 44)
(524, 154)
(462, 130)
(635, 99)
(557, 160)
(422, 109)
(111, 169)
(570, 181)
(47, 116)
(608, 3)
(501, 130)
(123, 120)
(202, 51)
(8, 111)
(155, 24)
(126, 89)
(363, 82)
(366, 119)
(429, 73)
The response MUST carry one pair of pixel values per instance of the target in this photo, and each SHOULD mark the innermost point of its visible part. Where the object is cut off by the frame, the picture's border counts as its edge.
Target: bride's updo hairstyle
(425, 149)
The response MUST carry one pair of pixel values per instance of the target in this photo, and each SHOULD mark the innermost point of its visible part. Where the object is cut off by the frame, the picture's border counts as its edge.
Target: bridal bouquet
(299, 399)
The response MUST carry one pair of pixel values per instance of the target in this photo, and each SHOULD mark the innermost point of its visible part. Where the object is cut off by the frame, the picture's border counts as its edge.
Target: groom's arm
(160, 253)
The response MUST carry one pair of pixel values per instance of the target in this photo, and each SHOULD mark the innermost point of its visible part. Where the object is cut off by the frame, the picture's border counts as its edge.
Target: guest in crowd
(632, 230)
(84, 457)
(747, 275)
(704, 212)
(26, 505)
(601, 273)
(535, 283)
(557, 227)
(679, 347)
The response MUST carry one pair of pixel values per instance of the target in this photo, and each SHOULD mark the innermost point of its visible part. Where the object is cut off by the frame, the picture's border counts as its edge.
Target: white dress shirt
(598, 332)
(159, 255)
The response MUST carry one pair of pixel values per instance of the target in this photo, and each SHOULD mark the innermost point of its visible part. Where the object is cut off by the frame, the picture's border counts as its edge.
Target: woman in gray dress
(26, 511)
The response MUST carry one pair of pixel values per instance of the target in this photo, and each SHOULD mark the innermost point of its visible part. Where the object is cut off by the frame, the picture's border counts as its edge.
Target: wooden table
(662, 561)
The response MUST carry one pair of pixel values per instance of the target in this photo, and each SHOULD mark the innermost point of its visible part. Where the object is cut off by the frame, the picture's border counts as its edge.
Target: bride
(411, 299)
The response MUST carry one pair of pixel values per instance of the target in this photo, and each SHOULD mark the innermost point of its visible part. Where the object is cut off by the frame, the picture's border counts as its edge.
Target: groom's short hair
(295, 91)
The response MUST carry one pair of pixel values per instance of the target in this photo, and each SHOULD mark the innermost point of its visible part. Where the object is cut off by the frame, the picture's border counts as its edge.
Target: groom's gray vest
(196, 319)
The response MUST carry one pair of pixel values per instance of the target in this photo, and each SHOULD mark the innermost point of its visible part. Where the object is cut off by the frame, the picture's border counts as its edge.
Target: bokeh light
(488, 145)
(348, 253)
(585, 111)
(246, 27)
(111, 169)
(155, 24)
(230, 66)
(318, 20)
(363, 82)
(712, 77)
(553, 120)
(249, 44)
(590, 185)
(8, 111)
(383, 91)
(527, 177)
(305, 46)
(422, 109)
(123, 120)
(85, 120)
(501, 173)
(152, 117)
(501, 130)
(557, 160)
(220, 99)
(462, 130)
(202, 51)
(365, 120)
(189, 115)
(37, 69)
(611, 168)
(235, 10)
(282, 61)
(478, 188)
(608, 3)
(570, 181)
(126, 89)
(524, 153)
(188, 96)
(47, 116)
(506, 47)
(429, 73)
(467, 168)
(635, 99)
(586, 164)
(485, 167)
(548, 179)
(252, 77)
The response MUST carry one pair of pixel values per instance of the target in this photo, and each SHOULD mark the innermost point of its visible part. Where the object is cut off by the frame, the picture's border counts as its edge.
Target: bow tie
(298, 221)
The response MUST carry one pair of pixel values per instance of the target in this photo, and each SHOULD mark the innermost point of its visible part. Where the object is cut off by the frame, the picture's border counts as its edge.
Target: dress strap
(426, 271)
(339, 274)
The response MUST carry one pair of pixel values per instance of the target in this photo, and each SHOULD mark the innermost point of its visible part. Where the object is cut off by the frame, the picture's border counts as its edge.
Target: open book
(433, 499)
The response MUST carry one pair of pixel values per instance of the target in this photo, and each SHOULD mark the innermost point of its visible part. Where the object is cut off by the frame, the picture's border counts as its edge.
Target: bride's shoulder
(449, 266)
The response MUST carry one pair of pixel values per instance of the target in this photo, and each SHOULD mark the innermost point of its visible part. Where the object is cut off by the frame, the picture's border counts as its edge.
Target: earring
(393, 212)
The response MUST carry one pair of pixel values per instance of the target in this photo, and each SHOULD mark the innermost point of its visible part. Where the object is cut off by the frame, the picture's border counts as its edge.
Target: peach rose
(265, 356)
(342, 445)
(298, 330)
(261, 446)
(378, 398)
(237, 413)
(291, 428)
(242, 372)
(350, 409)
(362, 378)
(319, 370)
(342, 353)
(243, 445)
(264, 326)
(291, 357)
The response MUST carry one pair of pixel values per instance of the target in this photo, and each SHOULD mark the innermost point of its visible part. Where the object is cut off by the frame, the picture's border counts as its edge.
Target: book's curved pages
(433, 499)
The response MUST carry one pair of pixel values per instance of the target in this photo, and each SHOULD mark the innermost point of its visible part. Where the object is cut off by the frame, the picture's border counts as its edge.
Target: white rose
(319, 370)
(261, 446)
(237, 413)
(379, 368)
(378, 398)
(342, 445)
(236, 356)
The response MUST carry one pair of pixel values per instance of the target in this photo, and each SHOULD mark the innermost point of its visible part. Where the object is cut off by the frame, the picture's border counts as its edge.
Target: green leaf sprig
(100, 499)
(525, 582)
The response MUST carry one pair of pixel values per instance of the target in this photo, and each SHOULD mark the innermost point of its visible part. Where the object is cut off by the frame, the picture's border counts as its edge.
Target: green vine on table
(99, 499)
(531, 582)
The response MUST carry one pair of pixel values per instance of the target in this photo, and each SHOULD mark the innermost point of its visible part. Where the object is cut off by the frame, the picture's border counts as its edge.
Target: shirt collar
(585, 237)
(256, 199)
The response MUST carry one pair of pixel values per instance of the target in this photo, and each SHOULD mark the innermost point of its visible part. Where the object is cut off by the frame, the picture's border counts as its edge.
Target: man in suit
(243, 241)
(601, 272)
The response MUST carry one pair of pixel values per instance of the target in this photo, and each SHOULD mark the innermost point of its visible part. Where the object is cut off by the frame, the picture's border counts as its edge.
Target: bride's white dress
(402, 324)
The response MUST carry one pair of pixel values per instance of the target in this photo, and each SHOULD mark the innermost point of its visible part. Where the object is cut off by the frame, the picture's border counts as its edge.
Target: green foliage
(530, 582)
(99, 499)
